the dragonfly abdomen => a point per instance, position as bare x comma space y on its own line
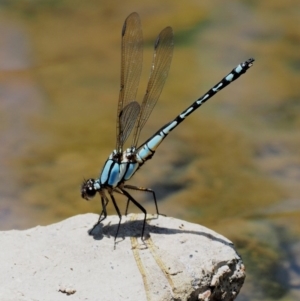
147, 150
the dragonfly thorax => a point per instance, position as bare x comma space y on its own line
115, 155
129, 155
118, 168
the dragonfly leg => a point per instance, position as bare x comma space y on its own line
118, 211
142, 189
130, 198
127, 205
104, 202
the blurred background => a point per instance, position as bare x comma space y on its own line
233, 166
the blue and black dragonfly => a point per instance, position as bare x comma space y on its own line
122, 163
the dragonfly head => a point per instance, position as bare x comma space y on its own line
89, 188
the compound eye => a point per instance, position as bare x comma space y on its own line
90, 192
87, 189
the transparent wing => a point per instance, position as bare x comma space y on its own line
131, 68
127, 119
162, 57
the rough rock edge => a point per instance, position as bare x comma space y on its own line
221, 283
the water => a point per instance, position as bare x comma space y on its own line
233, 166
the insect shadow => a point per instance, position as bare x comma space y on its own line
132, 228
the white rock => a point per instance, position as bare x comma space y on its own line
180, 261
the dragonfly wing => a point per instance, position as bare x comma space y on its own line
162, 57
131, 68
128, 117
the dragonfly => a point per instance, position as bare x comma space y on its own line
123, 163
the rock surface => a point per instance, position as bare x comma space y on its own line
179, 261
